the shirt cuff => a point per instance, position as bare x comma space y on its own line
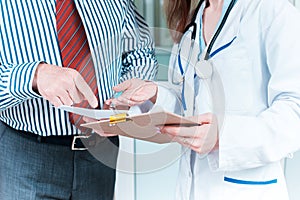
20, 82
166, 100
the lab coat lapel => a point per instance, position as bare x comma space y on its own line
229, 31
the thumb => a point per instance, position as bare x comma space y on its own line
122, 86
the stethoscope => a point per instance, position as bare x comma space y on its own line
192, 28
204, 67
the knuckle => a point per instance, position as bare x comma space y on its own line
198, 150
55, 103
197, 145
69, 102
49, 92
62, 83
76, 75
72, 72
76, 101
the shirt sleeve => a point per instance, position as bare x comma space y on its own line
274, 133
169, 96
139, 54
16, 83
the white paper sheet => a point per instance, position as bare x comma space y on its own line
93, 113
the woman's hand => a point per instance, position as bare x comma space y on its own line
135, 91
202, 139
98, 131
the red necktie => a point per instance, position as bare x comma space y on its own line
74, 47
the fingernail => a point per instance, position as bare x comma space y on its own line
96, 104
158, 130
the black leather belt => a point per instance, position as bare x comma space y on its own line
76, 142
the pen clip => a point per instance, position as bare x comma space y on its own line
114, 119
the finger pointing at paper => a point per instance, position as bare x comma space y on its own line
67, 86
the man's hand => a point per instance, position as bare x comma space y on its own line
62, 86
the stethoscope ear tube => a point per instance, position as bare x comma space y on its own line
193, 21
194, 32
194, 25
204, 66
213, 40
193, 36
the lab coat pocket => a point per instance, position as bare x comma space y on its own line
256, 176
249, 182
237, 81
258, 183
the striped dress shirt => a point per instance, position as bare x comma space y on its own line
120, 44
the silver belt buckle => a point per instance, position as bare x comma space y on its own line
74, 142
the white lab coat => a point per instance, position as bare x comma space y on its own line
260, 74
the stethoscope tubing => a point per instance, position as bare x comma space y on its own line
213, 40
193, 37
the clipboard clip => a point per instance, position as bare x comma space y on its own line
118, 118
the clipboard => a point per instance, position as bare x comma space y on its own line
142, 126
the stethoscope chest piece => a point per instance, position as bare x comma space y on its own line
204, 69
